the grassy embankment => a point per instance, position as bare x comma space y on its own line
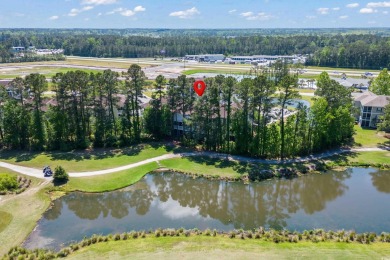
19, 213
226, 248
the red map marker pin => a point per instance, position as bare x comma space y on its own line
199, 87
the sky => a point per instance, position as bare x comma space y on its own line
193, 14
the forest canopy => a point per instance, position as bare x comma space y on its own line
342, 48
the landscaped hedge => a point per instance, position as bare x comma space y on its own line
271, 235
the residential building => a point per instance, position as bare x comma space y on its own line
361, 84
370, 107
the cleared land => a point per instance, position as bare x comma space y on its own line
202, 247
48, 71
187, 68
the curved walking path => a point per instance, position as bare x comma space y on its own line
38, 172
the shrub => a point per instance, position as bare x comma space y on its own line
8, 182
60, 175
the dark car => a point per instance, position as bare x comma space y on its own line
47, 172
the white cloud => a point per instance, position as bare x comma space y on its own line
139, 8
353, 5
260, 17
75, 11
323, 10
385, 12
127, 12
99, 14
336, 8
189, 13
54, 17
343, 17
372, 22
98, 2
86, 8
367, 11
232, 11
247, 14
311, 16
378, 4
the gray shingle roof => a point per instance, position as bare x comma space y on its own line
369, 99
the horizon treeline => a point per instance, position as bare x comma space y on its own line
362, 51
231, 117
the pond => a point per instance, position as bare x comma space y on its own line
356, 199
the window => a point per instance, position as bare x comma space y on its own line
367, 109
366, 116
379, 109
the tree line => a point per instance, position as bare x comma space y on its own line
99, 110
370, 51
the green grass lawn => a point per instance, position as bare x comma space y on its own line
305, 90
369, 137
79, 161
339, 69
204, 247
219, 71
363, 158
207, 166
109, 182
49, 72
308, 98
19, 213
5, 219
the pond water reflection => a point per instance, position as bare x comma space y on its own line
354, 199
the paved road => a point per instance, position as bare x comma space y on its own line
38, 172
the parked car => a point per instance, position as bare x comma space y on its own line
47, 172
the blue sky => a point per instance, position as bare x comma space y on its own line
193, 13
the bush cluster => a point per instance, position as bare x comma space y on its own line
60, 175
12, 183
271, 235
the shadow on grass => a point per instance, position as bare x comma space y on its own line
384, 145
342, 158
240, 167
97, 153
18, 155
59, 182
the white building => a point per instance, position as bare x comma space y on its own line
205, 57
